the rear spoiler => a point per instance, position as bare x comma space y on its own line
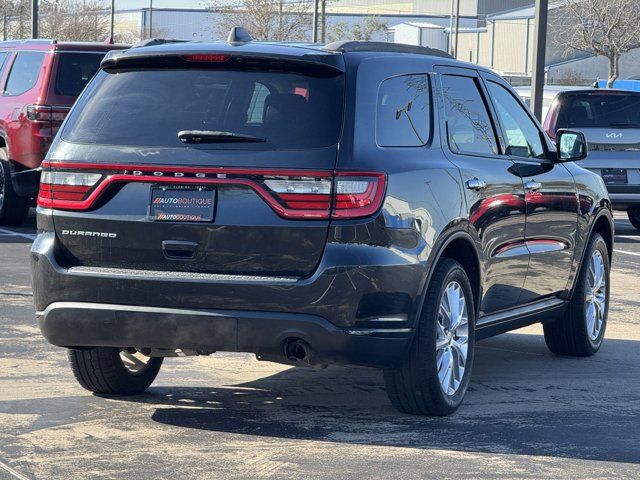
141, 57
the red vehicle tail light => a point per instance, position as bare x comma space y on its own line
58, 189
303, 193
47, 114
358, 194
293, 194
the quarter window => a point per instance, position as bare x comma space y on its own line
469, 128
24, 73
524, 140
403, 115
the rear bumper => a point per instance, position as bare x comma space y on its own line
357, 308
69, 324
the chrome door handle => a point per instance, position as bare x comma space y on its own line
476, 184
532, 186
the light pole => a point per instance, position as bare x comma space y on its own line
34, 18
455, 46
453, 10
539, 43
150, 18
113, 19
314, 30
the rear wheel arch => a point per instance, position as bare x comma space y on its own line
458, 246
604, 226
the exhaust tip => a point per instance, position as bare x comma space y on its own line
298, 350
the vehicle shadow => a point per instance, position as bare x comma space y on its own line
523, 400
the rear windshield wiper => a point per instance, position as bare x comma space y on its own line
215, 136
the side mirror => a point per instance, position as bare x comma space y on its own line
571, 145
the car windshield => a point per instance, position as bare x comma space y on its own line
600, 110
150, 107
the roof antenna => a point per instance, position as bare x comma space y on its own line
239, 35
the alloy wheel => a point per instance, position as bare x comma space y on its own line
452, 338
134, 361
596, 295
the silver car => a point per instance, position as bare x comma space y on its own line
610, 120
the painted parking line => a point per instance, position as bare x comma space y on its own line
627, 253
12, 472
5, 232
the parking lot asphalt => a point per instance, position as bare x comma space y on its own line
528, 414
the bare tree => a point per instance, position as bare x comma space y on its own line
16, 19
59, 19
287, 20
69, 20
364, 30
607, 28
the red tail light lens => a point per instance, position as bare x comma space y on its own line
47, 114
312, 195
65, 189
291, 194
358, 195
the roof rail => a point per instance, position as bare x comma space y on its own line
46, 41
356, 46
152, 42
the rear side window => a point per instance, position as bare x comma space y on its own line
469, 127
24, 73
74, 72
148, 107
403, 115
599, 110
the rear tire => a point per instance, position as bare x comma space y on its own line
580, 331
13, 209
634, 216
418, 384
102, 370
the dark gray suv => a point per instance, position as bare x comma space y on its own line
356, 203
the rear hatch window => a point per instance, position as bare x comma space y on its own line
250, 109
74, 72
610, 120
249, 154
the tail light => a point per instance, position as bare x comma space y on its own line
51, 115
45, 121
65, 189
358, 195
291, 194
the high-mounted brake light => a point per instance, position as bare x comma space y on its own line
292, 194
206, 57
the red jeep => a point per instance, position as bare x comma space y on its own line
40, 80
